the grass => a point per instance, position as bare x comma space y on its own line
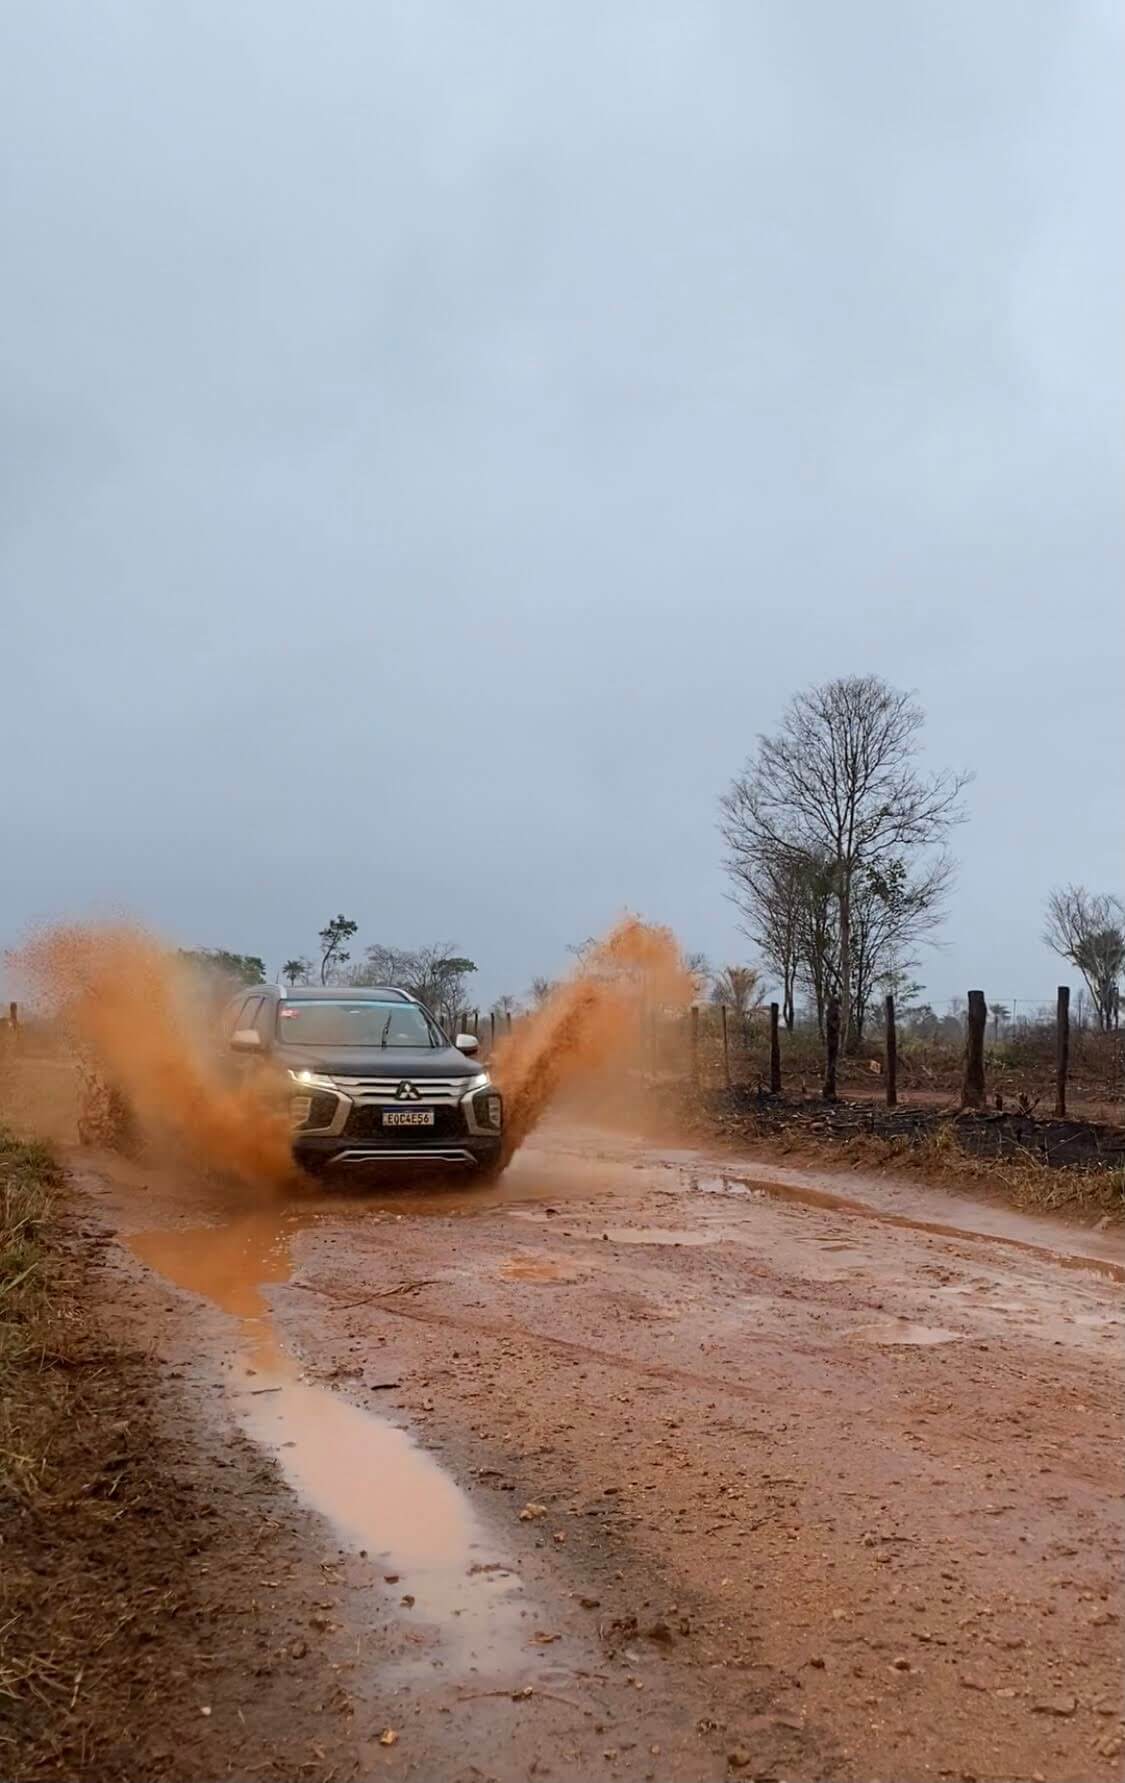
29, 1180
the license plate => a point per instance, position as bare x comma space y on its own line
408, 1117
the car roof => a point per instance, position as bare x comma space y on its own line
346, 993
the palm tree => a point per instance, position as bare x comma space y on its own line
740, 988
296, 972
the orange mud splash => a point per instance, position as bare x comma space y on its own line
594, 1020
132, 1007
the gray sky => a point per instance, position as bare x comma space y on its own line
437, 437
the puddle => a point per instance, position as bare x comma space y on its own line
896, 1331
655, 1235
535, 1269
669, 1235
383, 1495
980, 1221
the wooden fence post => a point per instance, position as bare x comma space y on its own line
508, 1021
972, 1085
695, 1043
892, 1055
1062, 1049
775, 1050
492, 1030
831, 1048
726, 1046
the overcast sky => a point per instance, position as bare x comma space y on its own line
438, 436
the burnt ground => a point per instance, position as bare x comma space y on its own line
994, 1134
641, 1465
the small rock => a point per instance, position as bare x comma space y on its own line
531, 1512
968, 1682
817, 1662
739, 1758
388, 1737
407, 1601
205, 1711
590, 1603
1056, 1705
298, 1649
899, 1664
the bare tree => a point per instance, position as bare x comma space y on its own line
698, 969
1088, 929
436, 974
838, 780
768, 889
541, 988
894, 909
506, 1005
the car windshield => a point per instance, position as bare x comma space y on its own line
324, 1023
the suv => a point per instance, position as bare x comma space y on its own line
371, 1078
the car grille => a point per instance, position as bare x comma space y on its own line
433, 1092
366, 1122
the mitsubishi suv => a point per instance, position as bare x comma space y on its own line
370, 1077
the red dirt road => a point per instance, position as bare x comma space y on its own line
639, 1466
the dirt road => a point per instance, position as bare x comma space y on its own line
642, 1466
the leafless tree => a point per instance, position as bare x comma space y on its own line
436, 974
1088, 929
698, 968
894, 909
839, 781
541, 988
767, 888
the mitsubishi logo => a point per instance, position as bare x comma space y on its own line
408, 1092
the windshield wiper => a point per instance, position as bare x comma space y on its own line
386, 1031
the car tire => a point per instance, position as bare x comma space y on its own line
313, 1166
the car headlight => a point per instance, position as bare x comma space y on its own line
312, 1080
480, 1082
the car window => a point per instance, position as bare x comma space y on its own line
248, 1014
231, 1017
263, 1018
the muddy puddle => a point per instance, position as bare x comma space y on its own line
596, 1232
901, 1331
973, 1220
385, 1497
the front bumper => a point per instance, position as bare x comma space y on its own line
342, 1121
323, 1151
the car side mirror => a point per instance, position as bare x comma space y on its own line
246, 1040
467, 1043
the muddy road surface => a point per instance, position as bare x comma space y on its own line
642, 1465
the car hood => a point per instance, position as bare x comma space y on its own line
413, 1062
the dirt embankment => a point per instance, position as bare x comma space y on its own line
1050, 1162
164, 1612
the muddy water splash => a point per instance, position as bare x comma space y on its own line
596, 1017
132, 1007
